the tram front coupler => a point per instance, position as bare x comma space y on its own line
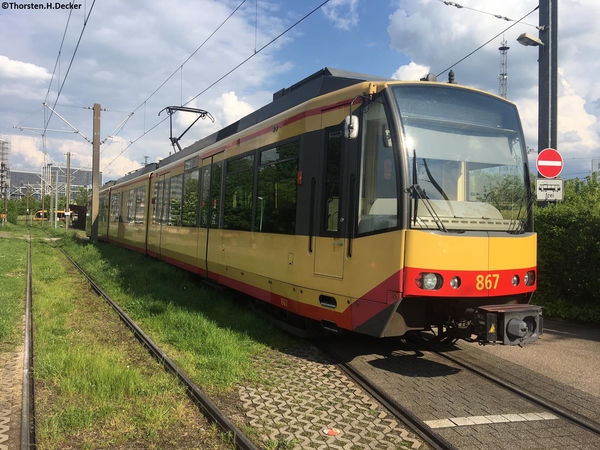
512, 324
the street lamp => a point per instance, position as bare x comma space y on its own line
527, 39
547, 75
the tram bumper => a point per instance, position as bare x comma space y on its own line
508, 324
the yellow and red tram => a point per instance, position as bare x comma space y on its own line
352, 202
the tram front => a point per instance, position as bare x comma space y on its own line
470, 249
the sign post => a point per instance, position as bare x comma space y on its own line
549, 163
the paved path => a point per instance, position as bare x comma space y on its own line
568, 353
11, 382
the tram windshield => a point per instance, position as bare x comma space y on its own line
466, 159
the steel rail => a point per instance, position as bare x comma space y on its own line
212, 412
28, 438
420, 428
561, 411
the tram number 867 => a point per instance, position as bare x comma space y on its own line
490, 281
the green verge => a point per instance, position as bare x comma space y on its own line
13, 279
96, 387
210, 334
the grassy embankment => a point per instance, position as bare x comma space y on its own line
93, 387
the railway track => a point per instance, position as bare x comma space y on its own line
209, 409
549, 405
391, 379
433, 439
28, 436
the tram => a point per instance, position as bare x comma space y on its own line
352, 202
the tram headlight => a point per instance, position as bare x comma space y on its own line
429, 281
529, 278
516, 280
455, 282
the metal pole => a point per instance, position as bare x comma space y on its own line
56, 200
95, 173
27, 200
51, 197
43, 200
548, 80
68, 194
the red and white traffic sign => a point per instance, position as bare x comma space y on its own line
549, 163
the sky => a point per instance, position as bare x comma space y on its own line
228, 57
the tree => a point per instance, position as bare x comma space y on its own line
81, 198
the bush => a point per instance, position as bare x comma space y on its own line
569, 252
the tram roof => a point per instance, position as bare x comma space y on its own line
319, 83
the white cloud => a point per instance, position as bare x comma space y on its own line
22, 70
232, 108
410, 71
124, 57
28, 150
433, 34
343, 13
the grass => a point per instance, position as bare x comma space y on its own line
95, 386
13, 277
208, 333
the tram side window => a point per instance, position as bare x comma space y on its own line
175, 200
378, 208
239, 186
204, 204
161, 207
277, 189
332, 182
158, 189
140, 205
115, 208
103, 210
130, 205
215, 194
190, 199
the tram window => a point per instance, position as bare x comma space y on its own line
103, 213
190, 199
205, 196
332, 181
215, 194
162, 201
378, 186
277, 189
130, 205
238, 194
158, 191
140, 205
175, 198
115, 210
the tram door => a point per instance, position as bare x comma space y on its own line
329, 245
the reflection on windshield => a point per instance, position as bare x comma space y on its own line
467, 156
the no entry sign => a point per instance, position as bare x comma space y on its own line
549, 163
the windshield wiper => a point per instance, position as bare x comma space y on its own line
520, 223
417, 193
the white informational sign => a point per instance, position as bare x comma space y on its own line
549, 190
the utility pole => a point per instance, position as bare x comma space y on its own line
68, 194
4, 191
95, 173
43, 199
548, 60
51, 197
27, 200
